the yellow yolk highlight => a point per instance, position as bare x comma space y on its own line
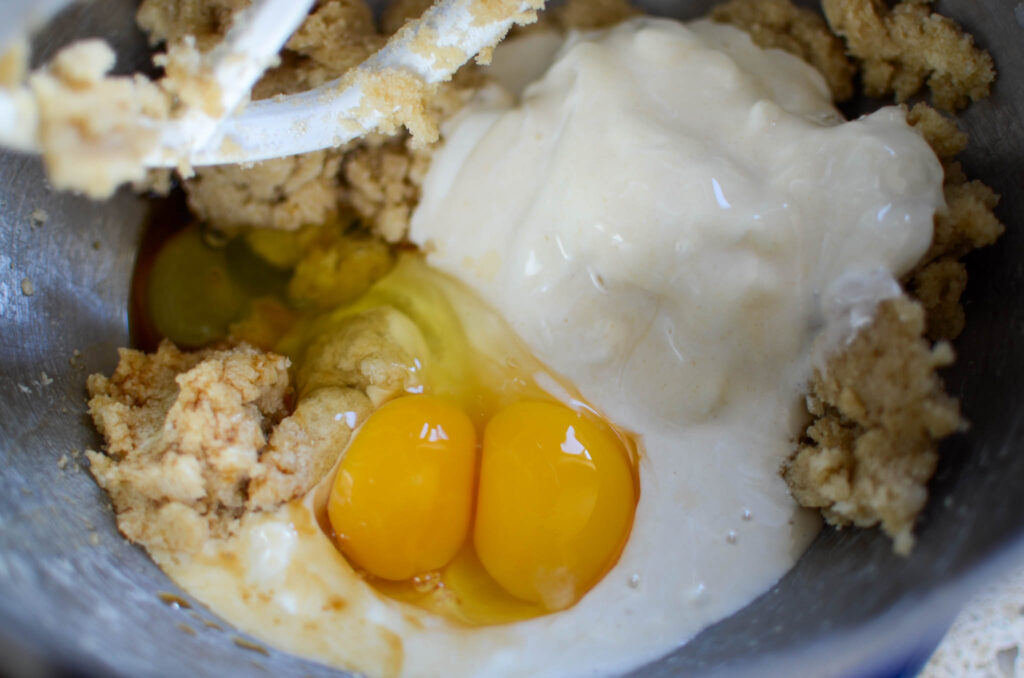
555, 502
402, 499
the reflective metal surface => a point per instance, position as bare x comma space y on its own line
74, 603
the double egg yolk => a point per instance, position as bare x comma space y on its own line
543, 500
482, 500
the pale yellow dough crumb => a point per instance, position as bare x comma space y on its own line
382, 184
189, 79
361, 354
305, 445
88, 123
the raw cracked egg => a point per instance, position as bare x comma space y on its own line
512, 511
551, 511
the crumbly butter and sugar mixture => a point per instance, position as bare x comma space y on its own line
289, 192
194, 440
281, 193
183, 431
904, 47
205, 20
337, 35
898, 50
879, 409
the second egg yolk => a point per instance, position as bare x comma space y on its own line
555, 502
402, 500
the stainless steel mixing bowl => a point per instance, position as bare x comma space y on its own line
76, 599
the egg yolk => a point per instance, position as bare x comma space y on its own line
555, 502
402, 500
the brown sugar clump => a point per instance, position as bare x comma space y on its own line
802, 32
903, 48
880, 407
